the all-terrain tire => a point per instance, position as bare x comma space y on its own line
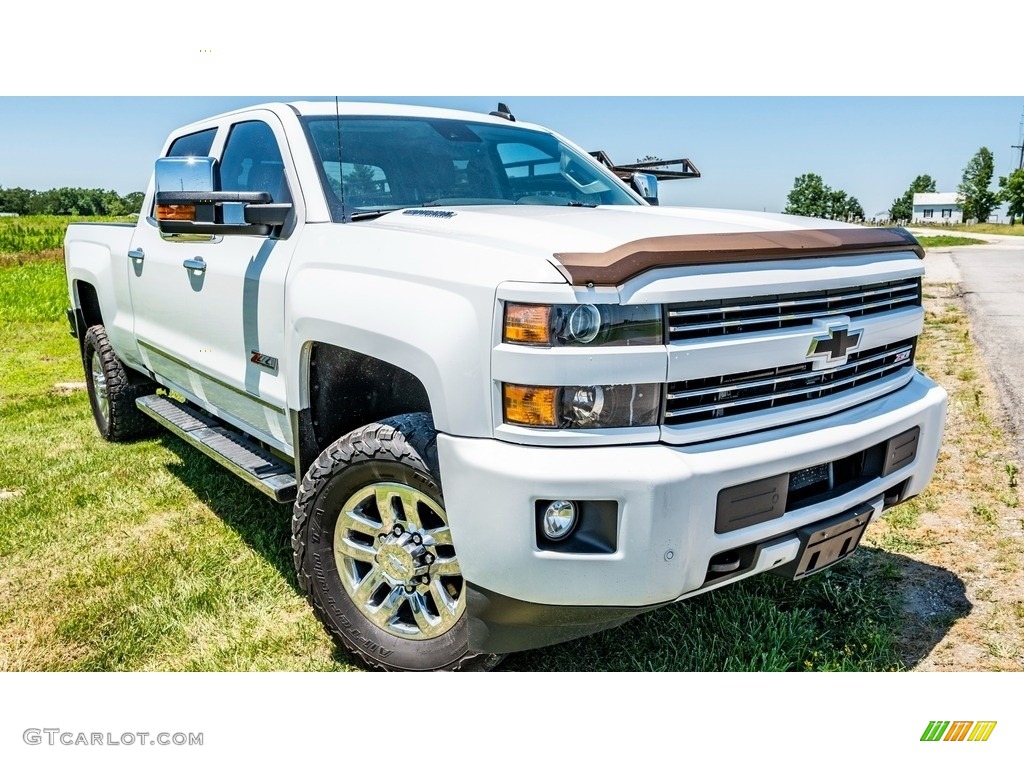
373, 551
113, 390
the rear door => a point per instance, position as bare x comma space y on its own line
209, 311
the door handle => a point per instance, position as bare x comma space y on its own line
196, 264
136, 254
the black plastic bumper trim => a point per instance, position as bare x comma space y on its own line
501, 624
901, 451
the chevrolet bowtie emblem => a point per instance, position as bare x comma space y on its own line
836, 344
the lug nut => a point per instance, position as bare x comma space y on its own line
428, 558
417, 539
382, 537
409, 588
424, 579
398, 530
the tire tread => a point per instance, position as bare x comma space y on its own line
127, 422
410, 439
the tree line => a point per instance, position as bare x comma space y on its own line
810, 195
69, 201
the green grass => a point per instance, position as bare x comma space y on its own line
842, 619
941, 241
33, 293
148, 556
980, 229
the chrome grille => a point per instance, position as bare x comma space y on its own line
702, 400
704, 319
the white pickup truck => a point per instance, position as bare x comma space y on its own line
512, 401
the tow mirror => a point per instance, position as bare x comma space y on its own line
187, 202
185, 174
645, 185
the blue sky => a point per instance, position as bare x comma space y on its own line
749, 149
754, 94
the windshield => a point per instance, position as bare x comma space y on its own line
385, 163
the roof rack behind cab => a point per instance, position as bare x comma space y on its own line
662, 169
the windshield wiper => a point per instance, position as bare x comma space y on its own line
578, 204
364, 215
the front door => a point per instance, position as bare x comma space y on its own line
209, 311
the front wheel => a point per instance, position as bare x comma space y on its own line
374, 552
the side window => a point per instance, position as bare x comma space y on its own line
193, 145
252, 162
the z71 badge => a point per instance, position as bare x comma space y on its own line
265, 360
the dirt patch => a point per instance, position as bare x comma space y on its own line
17, 259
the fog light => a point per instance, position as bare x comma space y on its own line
558, 519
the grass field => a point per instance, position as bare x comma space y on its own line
31, 238
978, 229
148, 556
940, 241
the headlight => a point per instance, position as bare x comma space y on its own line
584, 407
597, 325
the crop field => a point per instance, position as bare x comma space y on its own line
148, 556
31, 238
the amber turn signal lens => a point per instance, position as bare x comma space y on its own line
527, 323
176, 212
529, 406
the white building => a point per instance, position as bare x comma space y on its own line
936, 208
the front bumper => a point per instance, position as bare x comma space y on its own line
665, 498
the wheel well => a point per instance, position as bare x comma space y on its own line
348, 390
88, 314
88, 304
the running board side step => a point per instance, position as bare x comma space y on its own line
245, 458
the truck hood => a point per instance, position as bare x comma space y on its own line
609, 245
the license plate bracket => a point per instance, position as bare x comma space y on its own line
825, 543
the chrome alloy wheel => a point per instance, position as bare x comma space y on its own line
99, 386
394, 554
